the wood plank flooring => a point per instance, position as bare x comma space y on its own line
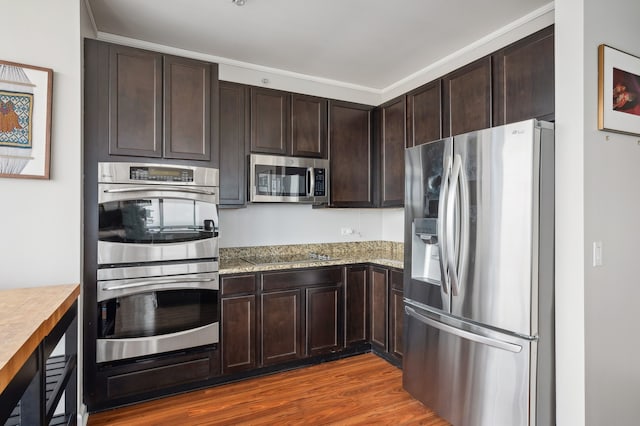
359, 390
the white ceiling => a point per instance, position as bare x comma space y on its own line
368, 43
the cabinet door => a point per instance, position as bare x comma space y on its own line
467, 98
396, 314
322, 320
234, 143
280, 329
378, 312
524, 79
135, 102
424, 114
187, 109
269, 121
393, 126
356, 305
238, 324
351, 162
308, 126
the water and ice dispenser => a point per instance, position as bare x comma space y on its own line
425, 259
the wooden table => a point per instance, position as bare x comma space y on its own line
32, 321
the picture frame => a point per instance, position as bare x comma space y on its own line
618, 91
25, 120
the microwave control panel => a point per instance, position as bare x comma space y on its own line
320, 186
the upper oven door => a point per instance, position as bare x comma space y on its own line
147, 223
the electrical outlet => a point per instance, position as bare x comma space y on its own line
346, 231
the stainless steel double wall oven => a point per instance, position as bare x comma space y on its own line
157, 277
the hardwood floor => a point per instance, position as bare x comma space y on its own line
359, 390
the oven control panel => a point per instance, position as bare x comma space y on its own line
160, 174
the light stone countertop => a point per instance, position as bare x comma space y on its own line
384, 253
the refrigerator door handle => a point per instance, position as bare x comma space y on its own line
451, 225
442, 240
500, 344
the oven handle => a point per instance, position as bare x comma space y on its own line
160, 189
156, 282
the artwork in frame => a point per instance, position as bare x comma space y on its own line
25, 120
618, 91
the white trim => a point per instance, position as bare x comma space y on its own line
466, 55
114, 38
91, 17
549, 7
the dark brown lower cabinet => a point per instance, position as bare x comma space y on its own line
396, 314
301, 313
378, 290
355, 289
238, 323
323, 319
280, 326
238, 333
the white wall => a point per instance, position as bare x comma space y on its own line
274, 224
570, 246
40, 219
611, 204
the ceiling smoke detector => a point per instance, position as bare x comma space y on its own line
239, 2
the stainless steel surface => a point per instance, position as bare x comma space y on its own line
496, 244
116, 349
501, 171
124, 287
282, 161
109, 172
124, 192
146, 189
468, 382
157, 270
114, 253
427, 169
462, 333
120, 188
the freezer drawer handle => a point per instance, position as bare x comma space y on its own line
511, 347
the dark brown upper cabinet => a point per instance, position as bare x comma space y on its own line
234, 143
350, 128
308, 126
467, 98
391, 118
187, 109
524, 79
288, 123
424, 114
153, 106
269, 121
135, 102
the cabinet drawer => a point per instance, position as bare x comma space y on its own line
180, 370
297, 279
240, 284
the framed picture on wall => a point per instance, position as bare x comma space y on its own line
618, 91
25, 120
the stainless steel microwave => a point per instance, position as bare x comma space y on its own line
279, 179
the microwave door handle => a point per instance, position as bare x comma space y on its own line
160, 189
311, 179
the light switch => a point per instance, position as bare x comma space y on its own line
597, 253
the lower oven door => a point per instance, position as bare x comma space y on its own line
151, 315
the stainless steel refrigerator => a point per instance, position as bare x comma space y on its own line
478, 277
